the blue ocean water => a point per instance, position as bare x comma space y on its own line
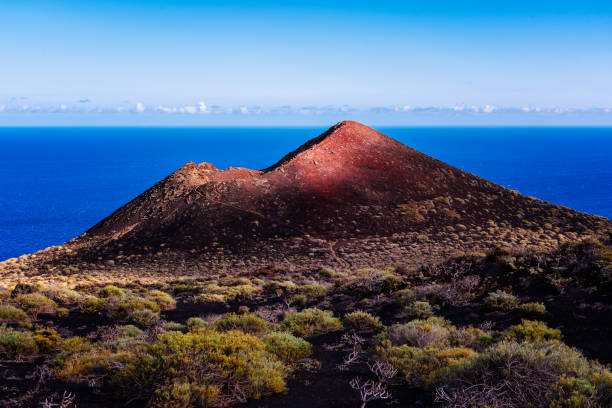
57, 182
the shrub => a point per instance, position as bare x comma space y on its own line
286, 346
62, 295
362, 322
143, 317
471, 337
310, 322
163, 300
299, 299
62, 312
47, 340
425, 366
313, 290
203, 369
92, 304
110, 291
530, 330
248, 323
387, 284
542, 374
130, 331
10, 313
417, 333
533, 308
174, 326
16, 345
195, 323
419, 310
35, 303
500, 300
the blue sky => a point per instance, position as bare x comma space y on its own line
153, 62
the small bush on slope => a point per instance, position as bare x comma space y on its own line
310, 322
247, 322
204, 369
286, 346
500, 300
541, 375
362, 322
10, 314
16, 345
532, 331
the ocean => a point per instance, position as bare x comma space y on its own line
57, 182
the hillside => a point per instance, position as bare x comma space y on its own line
351, 197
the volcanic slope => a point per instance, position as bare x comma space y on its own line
351, 197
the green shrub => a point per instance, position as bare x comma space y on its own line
174, 326
35, 303
143, 317
417, 333
362, 322
299, 299
62, 312
10, 313
92, 304
313, 290
163, 300
471, 337
387, 284
425, 366
248, 323
16, 345
419, 310
533, 308
286, 346
500, 300
47, 340
110, 291
530, 330
310, 322
62, 295
195, 323
130, 331
203, 369
542, 374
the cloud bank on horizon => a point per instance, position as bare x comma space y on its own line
400, 62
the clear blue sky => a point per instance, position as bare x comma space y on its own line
154, 57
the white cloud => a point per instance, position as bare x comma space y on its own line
2, 108
140, 107
244, 110
165, 109
189, 109
63, 107
203, 108
489, 109
459, 108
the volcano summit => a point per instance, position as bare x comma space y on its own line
351, 197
